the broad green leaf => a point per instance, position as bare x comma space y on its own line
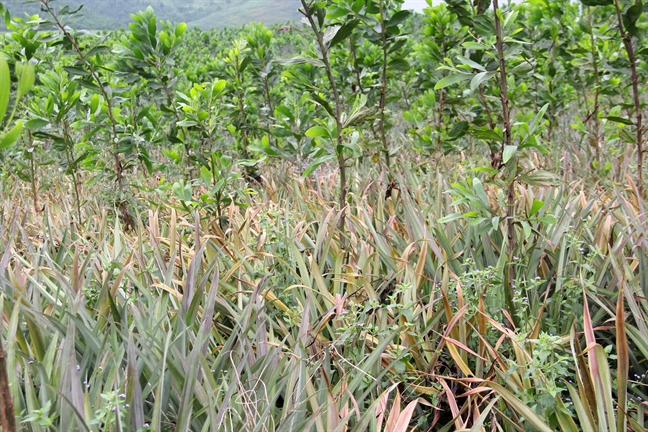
344, 32
486, 134
458, 130
219, 86
472, 64
597, 2
36, 123
481, 78
478, 187
484, 24
532, 143
549, 220
318, 131
400, 64
180, 29
510, 19
621, 120
509, 151
76, 71
630, 17
397, 45
535, 208
316, 163
526, 228
285, 112
538, 118
94, 104
245, 63
152, 29
320, 100
11, 136
398, 18
451, 79
336, 12
475, 46
173, 155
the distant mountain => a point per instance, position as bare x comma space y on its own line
112, 14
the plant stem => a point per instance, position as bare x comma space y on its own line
506, 116
338, 119
510, 198
627, 41
383, 86
597, 133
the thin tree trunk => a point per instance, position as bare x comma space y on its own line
627, 41
510, 198
338, 120
383, 87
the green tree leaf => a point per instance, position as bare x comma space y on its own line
459, 130
398, 18
180, 29
35, 124
509, 151
535, 208
486, 134
344, 32
318, 131
11, 136
452, 79
481, 78
472, 64
316, 163
621, 120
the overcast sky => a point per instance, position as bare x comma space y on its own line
417, 5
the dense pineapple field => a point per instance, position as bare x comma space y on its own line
367, 220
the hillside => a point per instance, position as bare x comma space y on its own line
112, 14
